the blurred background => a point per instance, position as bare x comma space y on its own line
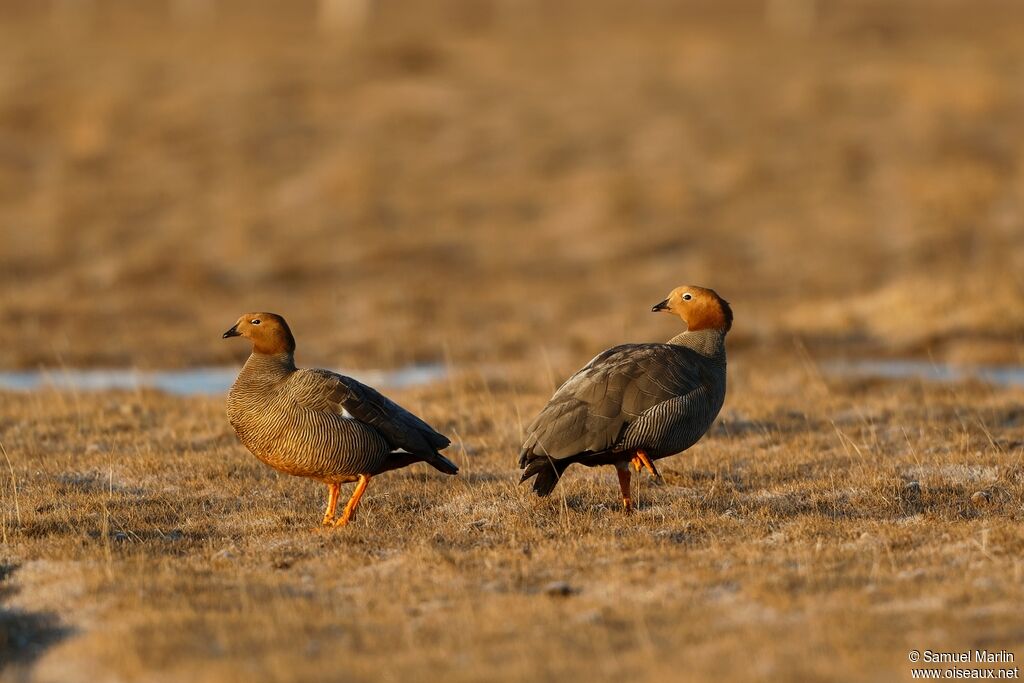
488, 180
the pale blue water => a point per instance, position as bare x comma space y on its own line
217, 380
212, 380
1002, 375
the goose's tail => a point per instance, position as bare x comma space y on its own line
441, 463
548, 471
399, 459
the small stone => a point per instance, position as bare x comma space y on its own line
588, 617
560, 589
986, 583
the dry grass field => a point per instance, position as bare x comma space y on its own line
820, 532
505, 187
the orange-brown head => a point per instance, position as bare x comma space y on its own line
268, 333
699, 307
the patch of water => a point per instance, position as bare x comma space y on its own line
1002, 375
190, 381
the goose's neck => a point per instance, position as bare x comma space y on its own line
270, 366
709, 343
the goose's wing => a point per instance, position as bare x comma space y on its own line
590, 411
328, 391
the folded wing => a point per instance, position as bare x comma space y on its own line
331, 392
590, 411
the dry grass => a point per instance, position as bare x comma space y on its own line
506, 187
814, 534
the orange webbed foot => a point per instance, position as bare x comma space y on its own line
349, 514
627, 500
641, 460
332, 503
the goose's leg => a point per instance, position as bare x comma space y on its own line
622, 469
640, 460
332, 502
350, 510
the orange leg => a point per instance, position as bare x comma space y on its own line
627, 500
640, 460
332, 502
350, 510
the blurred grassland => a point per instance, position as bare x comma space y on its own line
487, 180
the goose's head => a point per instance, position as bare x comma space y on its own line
268, 333
700, 308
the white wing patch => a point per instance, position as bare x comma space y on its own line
347, 415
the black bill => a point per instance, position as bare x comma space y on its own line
663, 306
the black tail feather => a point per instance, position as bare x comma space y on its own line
398, 459
441, 464
547, 470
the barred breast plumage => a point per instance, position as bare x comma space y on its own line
636, 402
319, 424
282, 417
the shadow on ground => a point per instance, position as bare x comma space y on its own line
24, 636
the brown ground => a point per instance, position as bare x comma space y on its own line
506, 187
820, 532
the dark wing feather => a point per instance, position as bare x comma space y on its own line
329, 391
590, 411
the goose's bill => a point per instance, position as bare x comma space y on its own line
233, 332
661, 306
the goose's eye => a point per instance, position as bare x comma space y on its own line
687, 296
254, 321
